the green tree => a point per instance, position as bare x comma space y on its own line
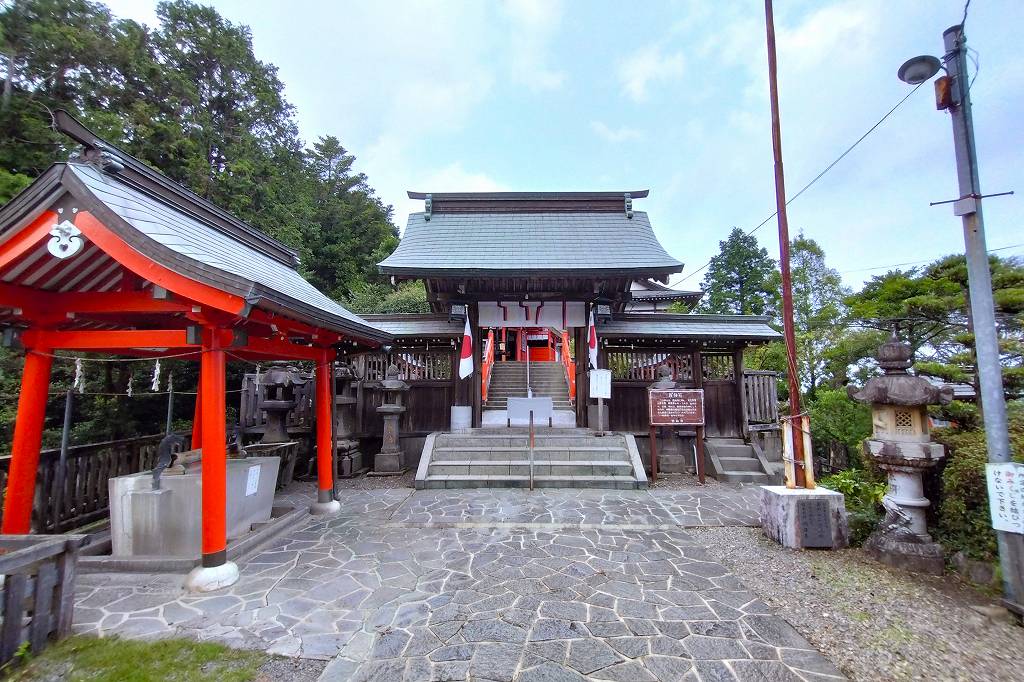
929, 307
739, 280
819, 311
409, 297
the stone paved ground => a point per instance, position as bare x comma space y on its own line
487, 585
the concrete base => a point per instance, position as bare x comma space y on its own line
779, 514
210, 578
916, 557
323, 508
387, 464
462, 418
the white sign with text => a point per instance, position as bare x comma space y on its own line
1006, 496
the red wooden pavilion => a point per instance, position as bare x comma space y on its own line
102, 254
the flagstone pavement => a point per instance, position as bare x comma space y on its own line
495, 585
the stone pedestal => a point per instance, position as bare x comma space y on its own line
349, 457
389, 460
784, 521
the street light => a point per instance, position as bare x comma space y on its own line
953, 93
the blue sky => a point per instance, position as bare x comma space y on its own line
670, 96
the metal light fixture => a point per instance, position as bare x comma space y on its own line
919, 69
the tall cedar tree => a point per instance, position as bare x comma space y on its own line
190, 98
739, 279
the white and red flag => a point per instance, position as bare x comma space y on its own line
592, 342
466, 356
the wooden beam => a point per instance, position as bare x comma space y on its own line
107, 340
27, 239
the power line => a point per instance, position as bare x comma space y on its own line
917, 262
819, 176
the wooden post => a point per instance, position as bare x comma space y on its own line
476, 385
324, 427
28, 438
737, 369
699, 454
214, 473
653, 435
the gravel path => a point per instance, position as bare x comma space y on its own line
873, 622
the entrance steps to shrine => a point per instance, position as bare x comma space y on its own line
499, 458
508, 380
736, 461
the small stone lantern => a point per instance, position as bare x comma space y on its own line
277, 399
389, 460
350, 459
900, 444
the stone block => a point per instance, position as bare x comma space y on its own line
780, 521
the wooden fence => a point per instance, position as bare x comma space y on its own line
84, 496
760, 395
38, 594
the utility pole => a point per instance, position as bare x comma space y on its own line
787, 282
986, 341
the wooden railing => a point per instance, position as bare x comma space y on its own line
84, 496
38, 575
412, 365
569, 366
761, 396
488, 365
642, 365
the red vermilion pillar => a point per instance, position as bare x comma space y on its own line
197, 417
216, 571
28, 438
325, 502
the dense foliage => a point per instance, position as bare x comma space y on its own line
863, 493
190, 98
741, 279
964, 519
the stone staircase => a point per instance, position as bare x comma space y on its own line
499, 458
736, 461
508, 380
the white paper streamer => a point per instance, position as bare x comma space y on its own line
155, 386
131, 378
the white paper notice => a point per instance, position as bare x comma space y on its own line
252, 483
601, 383
1006, 496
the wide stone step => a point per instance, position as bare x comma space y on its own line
556, 452
741, 464
520, 437
733, 450
744, 477
521, 467
541, 481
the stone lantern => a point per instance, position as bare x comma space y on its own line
277, 399
389, 460
350, 459
901, 446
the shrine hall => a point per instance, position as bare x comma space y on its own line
104, 255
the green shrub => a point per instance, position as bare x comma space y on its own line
965, 523
863, 493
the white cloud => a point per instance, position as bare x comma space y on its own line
615, 134
533, 24
647, 65
451, 178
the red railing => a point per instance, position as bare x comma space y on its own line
569, 366
488, 365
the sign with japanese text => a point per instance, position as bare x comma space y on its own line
676, 406
601, 383
1006, 496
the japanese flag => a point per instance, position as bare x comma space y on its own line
466, 356
592, 342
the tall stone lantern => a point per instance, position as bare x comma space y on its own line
350, 458
901, 446
389, 460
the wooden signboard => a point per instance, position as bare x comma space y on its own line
676, 406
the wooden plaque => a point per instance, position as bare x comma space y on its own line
676, 406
